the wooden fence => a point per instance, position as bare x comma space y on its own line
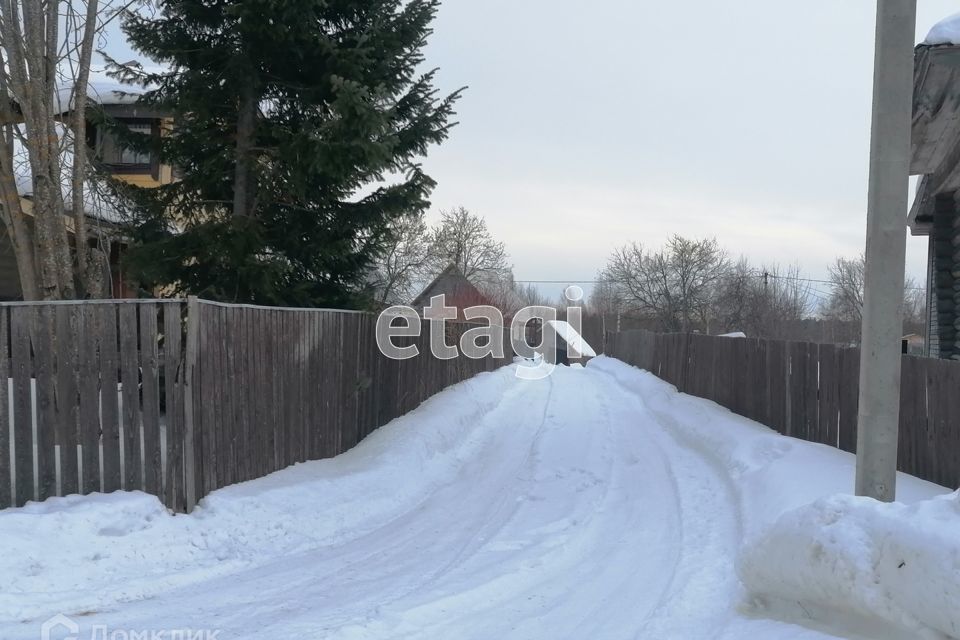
180, 398
808, 390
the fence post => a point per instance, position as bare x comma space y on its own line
190, 360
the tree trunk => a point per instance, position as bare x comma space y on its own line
21, 239
18, 231
88, 283
243, 185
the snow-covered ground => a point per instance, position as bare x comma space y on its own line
597, 503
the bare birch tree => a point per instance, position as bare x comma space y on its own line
762, 302
676, 285
846, 293
402, 266
462, 239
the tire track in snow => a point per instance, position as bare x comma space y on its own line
574, 512
594, 570
707, 545
400, 557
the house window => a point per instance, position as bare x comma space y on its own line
121, 159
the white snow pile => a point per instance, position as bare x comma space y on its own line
895, 562
85, 553
947, 31
808, 544
101, 89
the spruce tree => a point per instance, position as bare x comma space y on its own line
297, 127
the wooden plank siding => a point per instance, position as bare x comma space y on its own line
808, 391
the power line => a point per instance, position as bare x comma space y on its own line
560, 281
757, 274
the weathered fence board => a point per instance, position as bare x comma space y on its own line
6, 468
150, 392
849, 399
809, 391
174, 405
89, 336
41, 339
109, 407
829, 400
68, 407
130, 397
22, 403
777, 376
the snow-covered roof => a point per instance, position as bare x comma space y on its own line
101, 89
572, 337
947, 31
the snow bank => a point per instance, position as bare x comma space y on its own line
896, 562
86, 553
899, 563
770, 473
947, 31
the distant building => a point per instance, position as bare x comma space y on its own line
457, 290
912, 344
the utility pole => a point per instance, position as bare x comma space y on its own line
879, 409
766, 306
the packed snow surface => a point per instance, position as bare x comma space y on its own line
947, 31
597, 503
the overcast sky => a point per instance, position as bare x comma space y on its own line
590, 124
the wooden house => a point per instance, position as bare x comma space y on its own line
935, 156
117, 102
457, 290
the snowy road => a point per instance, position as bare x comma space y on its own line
572, 507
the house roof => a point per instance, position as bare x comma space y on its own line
456, 287
101, 89
935, 135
